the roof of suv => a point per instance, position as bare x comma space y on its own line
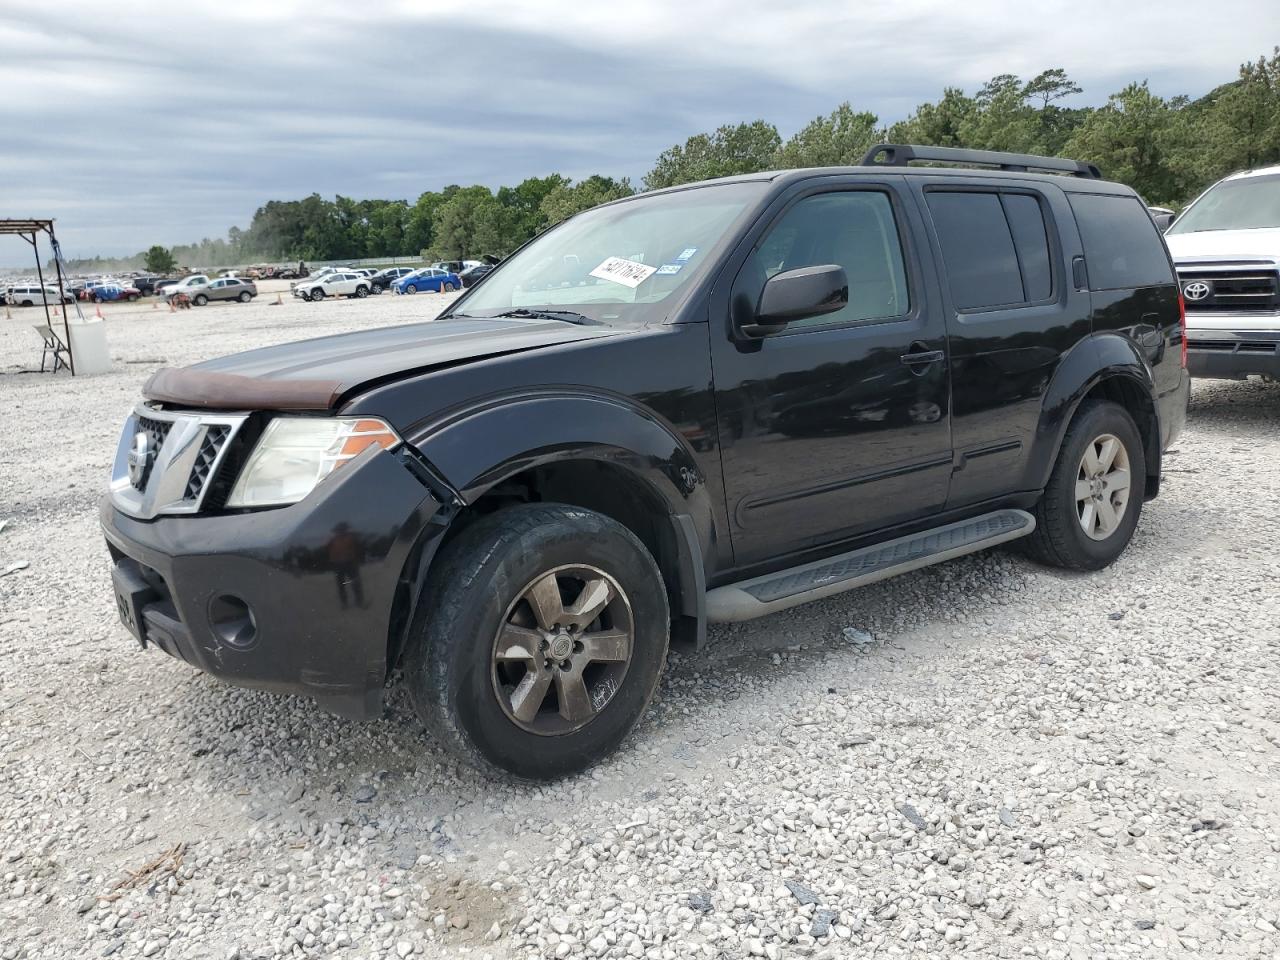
1260, 172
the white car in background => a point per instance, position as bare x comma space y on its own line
28, 295
338, 284
1226, 248
187, 285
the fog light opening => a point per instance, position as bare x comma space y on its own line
232, 621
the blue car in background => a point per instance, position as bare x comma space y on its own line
428, 279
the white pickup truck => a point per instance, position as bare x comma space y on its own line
1226, 248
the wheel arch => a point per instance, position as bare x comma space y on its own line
596, 452
1105, 366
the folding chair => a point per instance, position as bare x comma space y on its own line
52, 344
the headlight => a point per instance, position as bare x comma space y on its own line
296, 453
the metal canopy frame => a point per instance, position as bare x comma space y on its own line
30, 230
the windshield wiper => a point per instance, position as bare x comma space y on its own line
568, 316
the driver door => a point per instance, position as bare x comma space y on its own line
839, 425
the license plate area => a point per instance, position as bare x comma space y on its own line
133, 593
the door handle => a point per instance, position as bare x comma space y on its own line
918, 357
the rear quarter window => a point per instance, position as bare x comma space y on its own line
1122, 248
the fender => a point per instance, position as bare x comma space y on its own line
1092, 360
533, 429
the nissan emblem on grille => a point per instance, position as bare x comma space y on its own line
1196, 290
140, 456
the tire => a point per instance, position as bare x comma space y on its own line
448, 288
411, 288
97, 299
1060, 538
132, 298
362, 292
200, 300
480, 582
245, 297
377, 289
317, 293
30, 303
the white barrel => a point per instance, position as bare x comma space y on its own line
89, 346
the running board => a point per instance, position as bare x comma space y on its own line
796, 585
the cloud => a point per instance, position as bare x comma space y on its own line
168, 125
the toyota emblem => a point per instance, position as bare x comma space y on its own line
1196, 290
139, 458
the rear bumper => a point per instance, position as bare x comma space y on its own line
1234, 354
322, 579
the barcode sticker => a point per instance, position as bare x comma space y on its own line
629, 273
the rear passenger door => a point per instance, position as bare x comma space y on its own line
1004, 253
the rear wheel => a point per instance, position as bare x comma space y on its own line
362, 292
544, 642
1092, 502
448, 287
245, 296
133, 298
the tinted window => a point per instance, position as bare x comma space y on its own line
855, 230
1026, 222
977, 248
1122, 247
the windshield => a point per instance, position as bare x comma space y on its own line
621, 263
1250, 203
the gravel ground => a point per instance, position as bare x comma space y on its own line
986, 757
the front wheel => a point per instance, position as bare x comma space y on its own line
544, 641
1092, 502
133, 298
377, 289
200, 300
317, 293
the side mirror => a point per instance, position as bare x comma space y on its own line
797, 294
1163, 220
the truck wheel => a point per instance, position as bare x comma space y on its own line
1092, 502
543, 642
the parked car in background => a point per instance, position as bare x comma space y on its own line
338, 284
114, 290
1226, 248
187, 285
318, 273
385, 278
431, 279
473, 275
225, 288
28, 295
146, 285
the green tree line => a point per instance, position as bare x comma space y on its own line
1168, 149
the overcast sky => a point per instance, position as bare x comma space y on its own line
135, 124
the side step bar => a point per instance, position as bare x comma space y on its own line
772, 592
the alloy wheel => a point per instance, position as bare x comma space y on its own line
563, 650
1102, 486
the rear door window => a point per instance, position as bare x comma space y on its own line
995, 247
1122, 248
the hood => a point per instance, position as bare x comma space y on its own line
316, 374
1260, 244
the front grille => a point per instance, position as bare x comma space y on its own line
156, 431
1238, 289
214, 437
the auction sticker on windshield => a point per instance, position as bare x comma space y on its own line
629, 273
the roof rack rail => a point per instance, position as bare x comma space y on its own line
901, 154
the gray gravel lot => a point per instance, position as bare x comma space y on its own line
985, 758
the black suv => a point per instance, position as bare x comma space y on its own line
696, 405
